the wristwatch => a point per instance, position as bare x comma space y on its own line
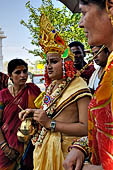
53, 125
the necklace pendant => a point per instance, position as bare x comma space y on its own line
47, 99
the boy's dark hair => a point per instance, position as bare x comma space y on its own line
76, 44
14, 63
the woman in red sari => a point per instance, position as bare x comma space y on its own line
23, 94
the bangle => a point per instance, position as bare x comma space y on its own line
2, 142
7, 154
78, 147
81, 144
3, 146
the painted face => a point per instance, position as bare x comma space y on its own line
78, 54
96, 25
19, 75
54, 66
101, 59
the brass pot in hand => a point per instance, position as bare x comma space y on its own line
21, 137
26, 130
26, 126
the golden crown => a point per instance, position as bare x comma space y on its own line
51, 41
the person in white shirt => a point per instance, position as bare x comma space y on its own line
100, 60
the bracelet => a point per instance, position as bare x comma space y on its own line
3, 146
81, 144
78, 147
7, 154
2, 143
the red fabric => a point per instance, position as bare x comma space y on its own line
86, 74
101, 133
101, 120
11, 121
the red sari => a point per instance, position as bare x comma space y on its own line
101, 120
11, 121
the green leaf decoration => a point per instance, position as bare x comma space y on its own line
74, 15
65, 54
45, 56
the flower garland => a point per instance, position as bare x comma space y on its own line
47, 79
47, 103
69, 69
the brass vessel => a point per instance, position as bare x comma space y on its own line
26, 130
21, 137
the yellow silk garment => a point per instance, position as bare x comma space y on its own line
77, 89
52, 152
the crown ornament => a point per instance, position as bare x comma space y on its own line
51, 41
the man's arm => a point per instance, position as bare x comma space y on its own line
74, 160
78, 152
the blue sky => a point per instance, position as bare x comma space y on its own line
18, 36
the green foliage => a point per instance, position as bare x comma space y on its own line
62, 19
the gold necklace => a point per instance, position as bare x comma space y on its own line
14, 93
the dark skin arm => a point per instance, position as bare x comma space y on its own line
74, 160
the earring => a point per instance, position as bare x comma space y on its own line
111, 17
109, 13
63, 68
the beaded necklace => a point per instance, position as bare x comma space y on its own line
49, 104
